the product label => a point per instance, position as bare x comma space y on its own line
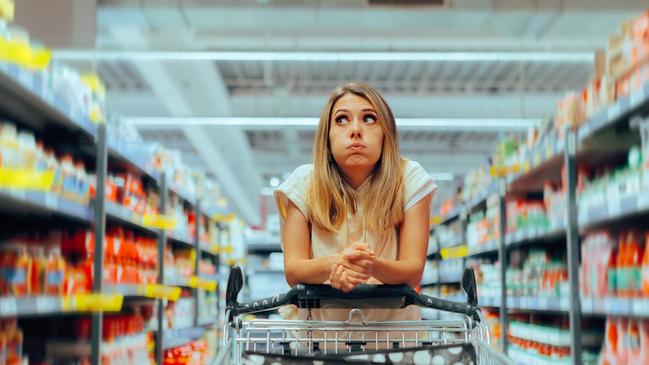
54, 278
637, 97
8, 307
47, 305
15, 276
612, 280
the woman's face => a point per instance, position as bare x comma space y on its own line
355, 134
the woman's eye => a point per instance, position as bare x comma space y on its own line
370, 119
341, 119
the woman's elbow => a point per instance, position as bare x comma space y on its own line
291, 277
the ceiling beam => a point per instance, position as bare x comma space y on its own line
177, 104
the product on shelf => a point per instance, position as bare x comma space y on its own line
448, 235
487, 277
537, 273
129, 258
493, 321
483, 228
180, 314
179, 264
627, 342
194, 353
615, 265
526, 215
20, 150
128, 191
431, 272
627, 55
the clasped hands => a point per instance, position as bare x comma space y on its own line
352, 267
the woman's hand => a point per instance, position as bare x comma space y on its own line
352, 267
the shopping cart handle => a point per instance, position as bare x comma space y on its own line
363, 296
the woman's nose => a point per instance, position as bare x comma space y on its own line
355, 130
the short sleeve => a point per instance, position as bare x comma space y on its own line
418, 184
294, 189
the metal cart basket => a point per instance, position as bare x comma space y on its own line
465, 340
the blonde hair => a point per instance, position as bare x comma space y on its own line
329, 196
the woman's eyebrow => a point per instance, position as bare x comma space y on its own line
368, 110
341, 110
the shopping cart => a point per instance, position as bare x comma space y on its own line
461, 340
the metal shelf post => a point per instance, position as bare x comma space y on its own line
100, 234
162, 243
572, 231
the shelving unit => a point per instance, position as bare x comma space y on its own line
26, 99
546, 163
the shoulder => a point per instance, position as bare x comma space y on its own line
294, 188
412, 168
417, 183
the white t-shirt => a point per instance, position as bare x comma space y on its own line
418, 184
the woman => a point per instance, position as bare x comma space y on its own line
360, 213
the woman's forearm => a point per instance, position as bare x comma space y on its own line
407, 272
308, 271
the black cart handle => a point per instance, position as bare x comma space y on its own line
363, 296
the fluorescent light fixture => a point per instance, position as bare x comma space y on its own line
274, 182
497, 124
497, 56
442, 176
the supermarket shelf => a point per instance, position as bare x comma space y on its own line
51, 305
456, 298
429, 314
543, 164
614, 210
123, 215
265, 271
265, 247
451, 216
45, 203
153, 291
626, 307
538, 235
184, 241
182, 194
207, 322
484, 249
482, 197
120, 150
178, 337
489, 301
456, 241
550, 304
205, 248
26, 95
618, 112
450, 279
429, 282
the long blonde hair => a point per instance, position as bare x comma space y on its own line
329, 196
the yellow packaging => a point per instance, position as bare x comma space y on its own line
7, 9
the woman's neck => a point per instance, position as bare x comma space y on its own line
356, 178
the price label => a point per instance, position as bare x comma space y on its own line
26, 79
162, 292
564, 303
26, 179
641, 307
159, 221
48, 305
614, 208
637, 97
543, 302
51, 201
200, 283
614, 111
8, 307
98, 302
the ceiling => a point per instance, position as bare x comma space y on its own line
244, 158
